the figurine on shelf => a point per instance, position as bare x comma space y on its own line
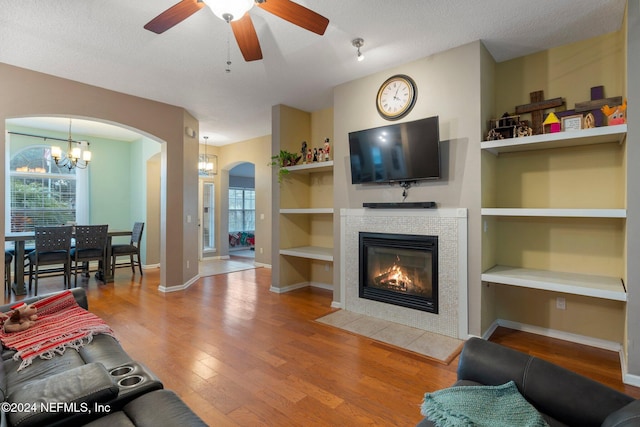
309, 155
616, 115
326, 150
315, 154
589, 121
303, 151
522, 129
553, 122
494, 135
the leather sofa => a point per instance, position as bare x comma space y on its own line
98, 384
562, 397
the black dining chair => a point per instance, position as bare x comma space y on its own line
53, 247
90, 245
132, 249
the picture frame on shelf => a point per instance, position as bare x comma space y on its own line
572, 123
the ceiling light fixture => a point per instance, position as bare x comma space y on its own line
230, 10
205, 166
75, 157
358, 43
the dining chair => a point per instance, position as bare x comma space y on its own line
8, 258
90, 245
53, 247
132, 249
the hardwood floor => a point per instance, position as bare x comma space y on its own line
240, 355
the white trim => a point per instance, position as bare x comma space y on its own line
631, 379
167, 289
336, 304
463, 275
289, 288
561, 335
150, 266
490, 330
259, 264
326, 286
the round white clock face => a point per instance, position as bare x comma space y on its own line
396, 97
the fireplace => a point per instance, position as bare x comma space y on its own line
399, 269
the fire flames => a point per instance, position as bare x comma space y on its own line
394, 278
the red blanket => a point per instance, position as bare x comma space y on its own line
61, 324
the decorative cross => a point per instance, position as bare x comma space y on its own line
537, 107
597, 101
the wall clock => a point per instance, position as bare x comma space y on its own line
396, 97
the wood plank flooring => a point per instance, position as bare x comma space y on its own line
240, 355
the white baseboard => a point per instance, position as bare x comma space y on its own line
319, 285
631, 379
566, 336
289, 288
259, 264
177, 288
336, 304
150, 266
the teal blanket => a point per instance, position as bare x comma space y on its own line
482, 406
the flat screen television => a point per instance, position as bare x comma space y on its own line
400, 152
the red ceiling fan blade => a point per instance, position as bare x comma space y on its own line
247, 39
174, 15
296, 14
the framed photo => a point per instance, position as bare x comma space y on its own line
570, 123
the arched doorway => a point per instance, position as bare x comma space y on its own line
111, 190
241, 212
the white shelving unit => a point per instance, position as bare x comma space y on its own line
312, 167
611, 288
562, 213
591, 136
307, 211
310, 252
579, 284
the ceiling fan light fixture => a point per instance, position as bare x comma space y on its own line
230, 10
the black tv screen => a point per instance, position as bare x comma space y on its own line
400, 152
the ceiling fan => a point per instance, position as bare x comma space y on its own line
236, 13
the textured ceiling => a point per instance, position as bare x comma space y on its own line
103, 43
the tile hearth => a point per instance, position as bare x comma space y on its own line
429, 344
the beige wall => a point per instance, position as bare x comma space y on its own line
152, 227
448, 86
26, 93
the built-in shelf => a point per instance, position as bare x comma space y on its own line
567, 213
312, 167
603, 287
590, 136
307, 211
310, 252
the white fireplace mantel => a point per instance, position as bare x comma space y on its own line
450, 225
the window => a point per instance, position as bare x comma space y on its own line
41, 192
242, 209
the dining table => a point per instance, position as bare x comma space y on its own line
20, 239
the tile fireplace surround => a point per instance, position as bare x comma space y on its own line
450, 225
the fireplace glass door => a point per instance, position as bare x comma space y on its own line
400, 269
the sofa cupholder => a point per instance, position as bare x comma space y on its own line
130, 381
120, 371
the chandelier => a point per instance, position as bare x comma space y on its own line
205, 165
75, 156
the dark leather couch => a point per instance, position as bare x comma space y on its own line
98, 384
564, 398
